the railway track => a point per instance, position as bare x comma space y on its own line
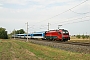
67, 42
77, 43
68, 46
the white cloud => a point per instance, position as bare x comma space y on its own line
1, 7
40, 2
20, 2
1, 4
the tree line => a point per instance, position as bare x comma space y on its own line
4, 35
21, 31
83, 36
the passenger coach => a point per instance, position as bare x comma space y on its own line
38, 35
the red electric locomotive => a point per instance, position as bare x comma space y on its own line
61, 34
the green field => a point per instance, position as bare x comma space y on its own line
20, 50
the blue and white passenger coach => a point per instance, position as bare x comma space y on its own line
39, 35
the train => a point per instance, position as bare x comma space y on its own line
56, 35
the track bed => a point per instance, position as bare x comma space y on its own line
69, 46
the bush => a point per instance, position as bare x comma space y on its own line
83, 36
87, 36
78, 36
3, 33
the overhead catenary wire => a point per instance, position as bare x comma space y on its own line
72, 19
79, 12
72, 22
69, 9
64, 11
76, 22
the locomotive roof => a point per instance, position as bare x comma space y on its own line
56, 30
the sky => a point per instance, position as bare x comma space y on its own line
73, 15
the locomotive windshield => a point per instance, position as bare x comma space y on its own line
65, 32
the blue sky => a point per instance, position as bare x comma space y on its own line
38, 13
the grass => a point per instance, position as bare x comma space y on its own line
20, 50
74, 39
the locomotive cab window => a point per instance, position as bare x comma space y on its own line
59, 32
65, 31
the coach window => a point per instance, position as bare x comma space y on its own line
37, 35
29, 35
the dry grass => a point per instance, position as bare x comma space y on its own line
74, 39
19, 50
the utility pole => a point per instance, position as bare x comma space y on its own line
48, 26
27, 31
14, 33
